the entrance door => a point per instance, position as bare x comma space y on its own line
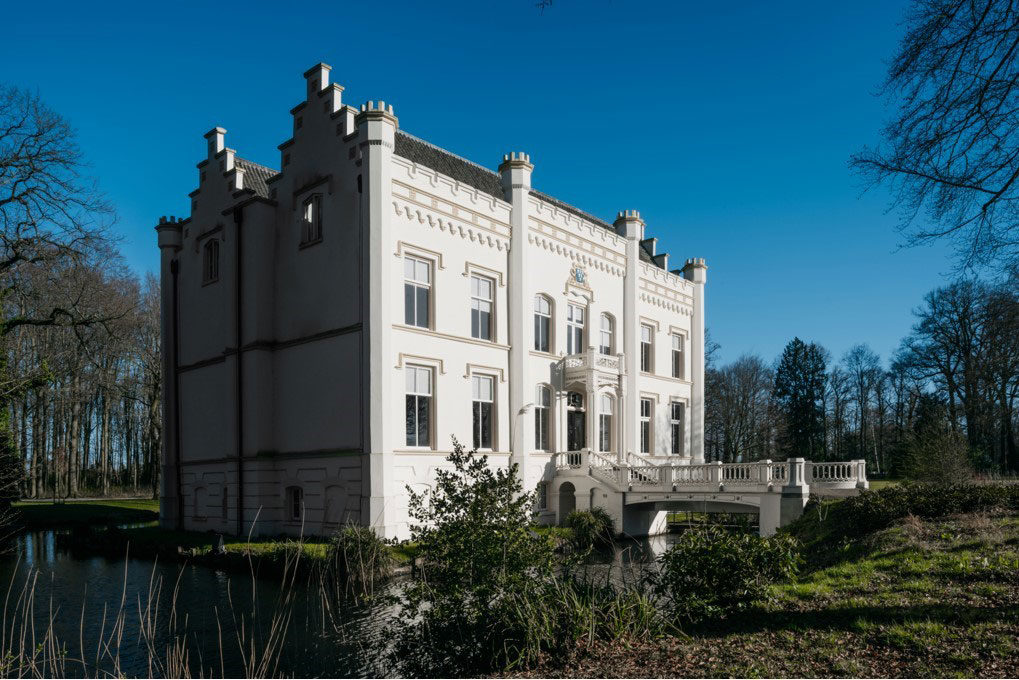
576, 432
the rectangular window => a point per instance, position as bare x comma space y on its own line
542, 409
647, 334
607, 331
574, 329
678, 414
645, 425
481, 307
484, 397
419, 406
210, 261
311, 219
678, 361
605, 424
542, 495
417, 292
542, 324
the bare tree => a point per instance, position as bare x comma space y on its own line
951, 154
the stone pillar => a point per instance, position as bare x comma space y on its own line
781, 507
376, 127
629, 225
697, 272
169, 245
515, 172
591, 413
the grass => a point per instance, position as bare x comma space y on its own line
268, 554
876, 484
69, 514
920, 598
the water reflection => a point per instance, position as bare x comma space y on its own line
211, 606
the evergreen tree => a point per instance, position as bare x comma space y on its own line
799, 390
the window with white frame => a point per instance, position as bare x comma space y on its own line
678, 413
678, 360
417, 291
295, 502
542, 495
608, 330
574, 329
311, 219
542, 411
542, 324
647, 339
605, 413
484, 401
210, 261
646, 409
419, 406
482, 290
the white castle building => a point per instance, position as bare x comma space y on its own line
330, 326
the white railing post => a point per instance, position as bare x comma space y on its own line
861, 473
765, 472
796, 472
715, 473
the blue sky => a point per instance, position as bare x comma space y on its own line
728, 126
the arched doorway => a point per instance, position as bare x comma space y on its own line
567, 501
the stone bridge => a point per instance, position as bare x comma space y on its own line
639, 492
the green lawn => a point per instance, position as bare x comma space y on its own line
876, 484
923, 598
69, 514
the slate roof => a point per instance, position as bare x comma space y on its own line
451, 165
255, 176
480, 177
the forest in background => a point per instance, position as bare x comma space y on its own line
944, 404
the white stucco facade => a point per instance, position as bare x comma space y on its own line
329, 326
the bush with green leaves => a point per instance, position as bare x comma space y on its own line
592, 528
711, 574
828, 526
478, 557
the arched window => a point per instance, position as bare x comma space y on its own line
210, 261
542, 411
605, 412
542, 324
295, 503
607, 344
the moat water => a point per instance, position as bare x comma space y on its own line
81, 594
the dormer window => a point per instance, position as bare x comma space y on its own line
311, 220
210, 261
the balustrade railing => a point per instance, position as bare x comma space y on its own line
639, 472
645, 475
691, 474
836, 473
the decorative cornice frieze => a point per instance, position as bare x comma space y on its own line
473, 233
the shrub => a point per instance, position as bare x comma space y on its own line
591, 528
713, 574
356, 559
829, 528
479, 559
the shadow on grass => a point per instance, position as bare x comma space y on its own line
848, 618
